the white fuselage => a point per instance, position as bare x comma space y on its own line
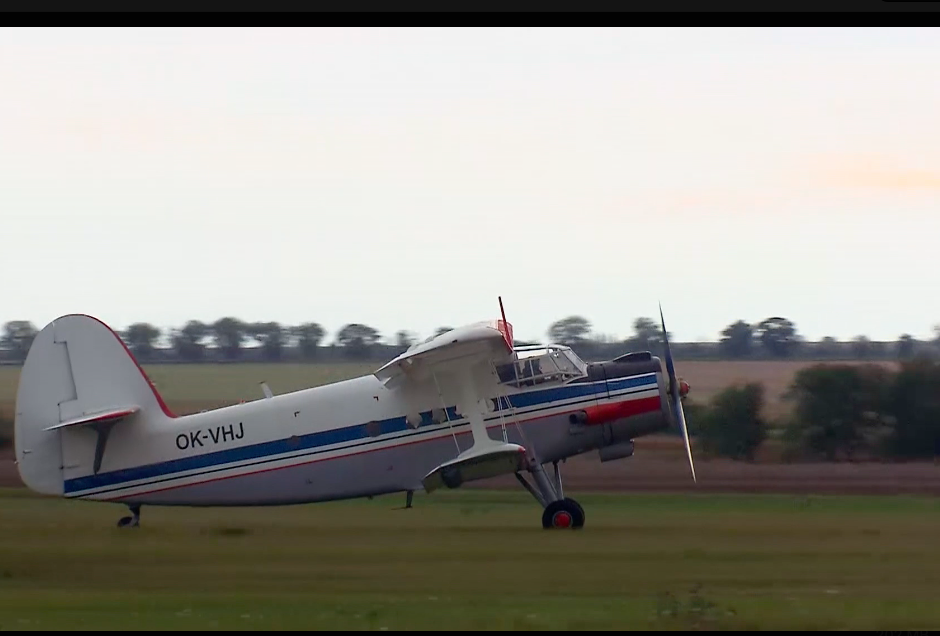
343, 440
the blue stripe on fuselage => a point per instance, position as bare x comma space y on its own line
268, 451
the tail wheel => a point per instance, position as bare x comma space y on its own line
563, 514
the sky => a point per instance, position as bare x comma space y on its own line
406, 178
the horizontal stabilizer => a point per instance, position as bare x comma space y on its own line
103, 417
490, 461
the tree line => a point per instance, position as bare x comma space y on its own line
229, 339
839, 411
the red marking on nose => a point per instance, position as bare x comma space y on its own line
617, 410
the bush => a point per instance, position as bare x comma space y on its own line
732, 426
840, 410
694, 414
915, 403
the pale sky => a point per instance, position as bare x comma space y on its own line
405, 178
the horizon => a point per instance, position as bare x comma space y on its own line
387, 338
331, 175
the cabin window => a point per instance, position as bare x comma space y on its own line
536, 366
506, 372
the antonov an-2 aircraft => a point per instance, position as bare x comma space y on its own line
90, 424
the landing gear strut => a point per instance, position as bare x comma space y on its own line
132, 521
559, 511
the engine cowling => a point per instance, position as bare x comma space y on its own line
619, 423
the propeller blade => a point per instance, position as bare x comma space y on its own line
679, 412
685, 434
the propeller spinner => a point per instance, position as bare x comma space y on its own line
674, 389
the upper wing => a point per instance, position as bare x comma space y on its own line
484, 341
462, 356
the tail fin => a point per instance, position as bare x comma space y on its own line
79, 380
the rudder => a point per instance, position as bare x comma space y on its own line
78, 380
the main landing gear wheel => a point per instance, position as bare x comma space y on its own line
132, 521
558, 511
564, 514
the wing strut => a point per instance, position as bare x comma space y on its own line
487, 457
446, 414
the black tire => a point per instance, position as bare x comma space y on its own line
126, 522
563, 514
579, 518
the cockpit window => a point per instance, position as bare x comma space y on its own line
538, 365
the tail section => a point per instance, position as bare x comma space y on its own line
79, 387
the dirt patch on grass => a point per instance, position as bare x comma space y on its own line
659, 465
656, 474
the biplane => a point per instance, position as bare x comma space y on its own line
461, 406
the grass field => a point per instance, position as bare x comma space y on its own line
476, 560
188, 388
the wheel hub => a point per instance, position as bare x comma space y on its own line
561, 520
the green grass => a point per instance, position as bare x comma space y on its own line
475, 560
